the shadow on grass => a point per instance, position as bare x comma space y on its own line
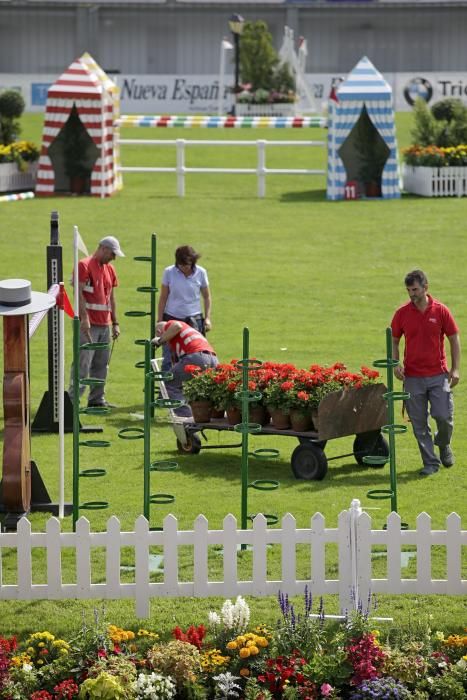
306, 197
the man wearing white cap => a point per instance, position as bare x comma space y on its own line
98, 315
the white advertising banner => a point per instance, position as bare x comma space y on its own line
199, 94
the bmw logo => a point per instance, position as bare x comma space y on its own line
418, 87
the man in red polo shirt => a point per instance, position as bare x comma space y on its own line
425, 322
188, 347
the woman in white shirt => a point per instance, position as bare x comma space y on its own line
183, 285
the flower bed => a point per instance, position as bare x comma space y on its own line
303, 658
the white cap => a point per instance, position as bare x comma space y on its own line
112, 243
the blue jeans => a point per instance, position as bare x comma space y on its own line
175, 386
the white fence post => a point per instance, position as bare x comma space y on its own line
180, 146
261, 168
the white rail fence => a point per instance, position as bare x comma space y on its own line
261, 171
353, 536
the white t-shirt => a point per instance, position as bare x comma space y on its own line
184, 292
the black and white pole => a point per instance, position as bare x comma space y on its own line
47, 416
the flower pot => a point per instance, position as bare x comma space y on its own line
300, 422
201, 411
258, 415
372, 189
77, 184
234, 415
217, 413
280, 420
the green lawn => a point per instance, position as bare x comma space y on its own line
314, 281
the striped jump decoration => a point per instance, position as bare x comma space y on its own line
83, 87
364, 88
220, 122
16, 197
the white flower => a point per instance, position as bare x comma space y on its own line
214, 619
155, 687
27, 667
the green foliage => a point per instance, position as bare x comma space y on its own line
445, 125
426, 130
258, 58
104, 687
444, 110
177, 659
11, 108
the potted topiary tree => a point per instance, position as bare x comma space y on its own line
268, 87
75, 153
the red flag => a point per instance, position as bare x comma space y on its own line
63, 301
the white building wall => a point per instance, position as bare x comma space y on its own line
176, 37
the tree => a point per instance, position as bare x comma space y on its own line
258, 58
11, 108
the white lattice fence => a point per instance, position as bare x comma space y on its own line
435, 182
354, 538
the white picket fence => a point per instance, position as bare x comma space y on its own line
261, 171
450, 181
353, 536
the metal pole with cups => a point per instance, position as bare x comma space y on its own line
151, 376
247, 366
391, 429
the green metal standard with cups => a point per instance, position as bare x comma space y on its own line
391, 429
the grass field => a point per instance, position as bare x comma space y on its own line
314, 281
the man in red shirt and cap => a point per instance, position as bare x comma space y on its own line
97, 315
425, 322
188, 347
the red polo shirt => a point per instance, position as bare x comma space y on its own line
189, 340
424, 331
99, 280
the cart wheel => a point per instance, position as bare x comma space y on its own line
309, 462
192, 446
366, 444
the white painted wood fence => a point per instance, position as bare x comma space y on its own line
181, 169
435, 182
353, 536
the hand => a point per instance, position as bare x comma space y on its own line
156, 341
115, 330
86, 329
207, 324
399, 372
453, 378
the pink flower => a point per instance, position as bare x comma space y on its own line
326, 690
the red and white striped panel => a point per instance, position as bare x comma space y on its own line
79, 86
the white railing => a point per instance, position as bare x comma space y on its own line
181, 169
353, 536
12, 179
450, 181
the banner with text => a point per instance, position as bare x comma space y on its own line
200, 94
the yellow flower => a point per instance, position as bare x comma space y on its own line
232, 645
244, 653
253, 650
262, 642
244, 672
